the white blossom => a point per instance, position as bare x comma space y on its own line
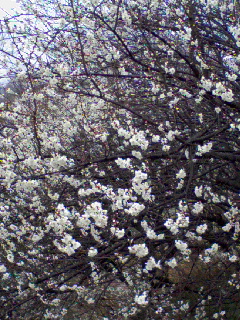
141, 299
172, 134
180, 185
137, 154
172, 263
197, 207
92, 252
122, 132
233, 258
140, 250
227, 227
201, 229
151, 264
155, 138
139, 139
206, 84
231, 77
204, 149
166, 148
135, 209
213, 250
180, 245
182, 220
181, 174
198, 191
123, 163
119, 233
2, 268
96, 212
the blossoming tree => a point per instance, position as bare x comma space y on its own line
120, 160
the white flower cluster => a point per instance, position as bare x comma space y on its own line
58, 162
83, 222
32, 162
62, 69
53, 142
192, 236
231, 77
234, 126
123, 133
188, 33
197, 207
2, 268
233, 258
137, 154
169, 70
225, 94
222, 313
92, 252
155, 138
185, 93
151, 264
151, 234
135, 209
172, 263
70, 244
95, 211
126, 17
172, 134
10, 256
202, 63
60, 221
206, 84
182, 246
233, 217
204, 149
8, 176
26, 185
95, 188
95, 233
208, 194
235, 30
37, 237
141, 299
140, 187
173, 103
202, 228
228, 227
140, 250
4, 213
124, 163
136, 138
120, 198
155, 88
54, 196
184, 306
139, 139
210, 253
198, 191
181, 222
119, 233
181, 175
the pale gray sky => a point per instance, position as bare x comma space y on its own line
6, 7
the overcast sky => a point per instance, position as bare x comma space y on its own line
6, 7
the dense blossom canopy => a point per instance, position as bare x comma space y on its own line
120, 160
